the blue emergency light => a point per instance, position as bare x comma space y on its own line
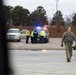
38, 27
41, 27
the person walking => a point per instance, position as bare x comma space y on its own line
35, 36
32, 36
27, 35
42, 35
68, 38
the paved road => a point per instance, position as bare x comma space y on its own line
50, 62
54, 43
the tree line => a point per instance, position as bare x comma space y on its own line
20, 16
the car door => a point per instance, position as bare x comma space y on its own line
22, 34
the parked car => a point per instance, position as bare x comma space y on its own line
13, 34
46, 38
22, 34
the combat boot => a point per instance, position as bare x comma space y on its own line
68, 61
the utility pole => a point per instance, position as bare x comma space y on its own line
57, 20
56, 5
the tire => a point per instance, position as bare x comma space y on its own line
45, 40
19, 40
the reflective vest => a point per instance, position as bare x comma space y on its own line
32, 34
27, 33
42, 33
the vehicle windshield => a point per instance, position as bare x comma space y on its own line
13, 31
38, 30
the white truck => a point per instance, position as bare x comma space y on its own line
13, 34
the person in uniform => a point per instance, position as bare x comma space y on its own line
35, 36
68, 38
42, 35
27, 35
32, 36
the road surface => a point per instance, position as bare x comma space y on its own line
42, 62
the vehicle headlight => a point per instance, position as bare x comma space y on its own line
17, 35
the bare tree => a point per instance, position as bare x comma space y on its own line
68, 21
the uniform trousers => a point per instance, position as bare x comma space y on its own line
68, 51
27, 39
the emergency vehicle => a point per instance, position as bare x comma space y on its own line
46, 38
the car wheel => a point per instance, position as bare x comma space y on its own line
45, 40
19, 40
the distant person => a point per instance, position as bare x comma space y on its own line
35, 36
32, 36
42, 35
68, 38
27, 35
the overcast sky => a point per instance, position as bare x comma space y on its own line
66, 6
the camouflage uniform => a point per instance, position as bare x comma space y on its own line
68, 38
